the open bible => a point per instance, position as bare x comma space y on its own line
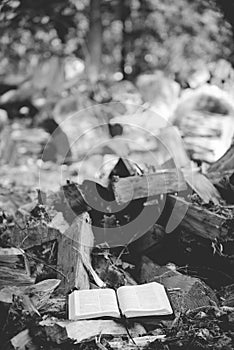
148, 299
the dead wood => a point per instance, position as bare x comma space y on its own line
14, 277
84, 330
74, 250
198, 220
22, 341
186, 292
161, 182
28, 237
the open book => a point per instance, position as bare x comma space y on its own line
131, 301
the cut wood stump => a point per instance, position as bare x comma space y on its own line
161, 182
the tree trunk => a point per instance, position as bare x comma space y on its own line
227, 8
124, 14
94, 42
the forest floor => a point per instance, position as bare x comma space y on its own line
38, 208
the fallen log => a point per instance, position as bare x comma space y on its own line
198, 220
150, 185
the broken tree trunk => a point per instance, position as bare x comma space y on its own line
198, 220
161, 182
74, 250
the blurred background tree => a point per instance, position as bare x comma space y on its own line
123, 36
59, 57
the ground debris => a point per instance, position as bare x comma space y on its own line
57, 234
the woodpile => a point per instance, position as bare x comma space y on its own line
88, 236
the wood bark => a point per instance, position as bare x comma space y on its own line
94, 42
134, 187
198, 220
124, 14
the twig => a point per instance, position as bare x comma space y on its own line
47, 265
128, 332
201, 308
124, 248
52, 251
98, 342
41, 260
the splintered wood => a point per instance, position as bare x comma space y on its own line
74, 252
161, 182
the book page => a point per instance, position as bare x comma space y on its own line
144, 300
93, 303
